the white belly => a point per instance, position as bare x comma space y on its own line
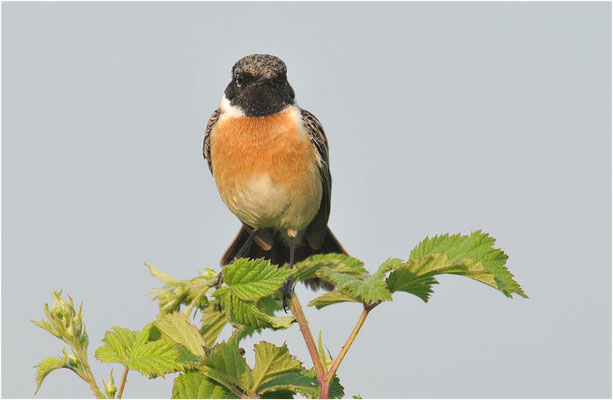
260, 204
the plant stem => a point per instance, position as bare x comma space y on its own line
122, 385
97, 392
196, 299
296, 309
237, 393
324, 389
92, 384
87, 374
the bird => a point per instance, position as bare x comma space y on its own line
270, 162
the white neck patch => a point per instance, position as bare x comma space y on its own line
230, 110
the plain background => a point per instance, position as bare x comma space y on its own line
441, 118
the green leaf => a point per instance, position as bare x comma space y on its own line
473, 256
281, 322
176, 293
303, 382
178, 328
271, 304
226, 365
337, 390
247, 313
278, 394
160, 275
322, 354
333, 297
135, 350
403, 280
109, 387
195, 385
389, 264
270, 361
48, 365
118, 345
367, 289
296, 381
307, 268
254, 279
213, 322
155, 358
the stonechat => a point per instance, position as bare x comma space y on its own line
269, 158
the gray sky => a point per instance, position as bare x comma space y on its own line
441, 117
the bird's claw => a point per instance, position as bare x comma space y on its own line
219, 280
288, 288
218, 283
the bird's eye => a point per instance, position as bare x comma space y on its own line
239, 79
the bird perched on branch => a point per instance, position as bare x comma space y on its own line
269, 159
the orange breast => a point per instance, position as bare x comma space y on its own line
270, 158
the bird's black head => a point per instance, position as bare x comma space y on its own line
259, 85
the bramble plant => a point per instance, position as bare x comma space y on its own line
247, 300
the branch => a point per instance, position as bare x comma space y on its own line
324, 389
124, 379
87, 374
296, 309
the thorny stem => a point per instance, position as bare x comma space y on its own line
95, 388
124, 379
296, 309
324, 387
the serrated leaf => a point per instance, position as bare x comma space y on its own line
254, 279
307, 268
195, 385
333, 297
160, 275
118, 344
303, 382
297, 382
247, 313
403, 280
271, 304
478, 247
48, 365
270, 361
386, 266
472, 256
178, 328
336, 390
155, 359
367, 289
213, 322
281, 322
226, 365
176, 293
134, 350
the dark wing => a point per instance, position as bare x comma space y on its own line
316, 231
206, 148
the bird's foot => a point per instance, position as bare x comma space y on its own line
218, 283
219, 280
288, 288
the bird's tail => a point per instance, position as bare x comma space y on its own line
278, 253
